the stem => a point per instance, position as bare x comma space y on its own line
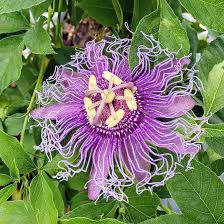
58, 26
44, 63
165, 209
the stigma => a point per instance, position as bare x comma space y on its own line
110, 105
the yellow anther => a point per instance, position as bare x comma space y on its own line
92, 83
108, 96
91, 112
111, 78
114, 120
130, 100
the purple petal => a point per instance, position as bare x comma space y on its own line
99, 171
55, 111
162, 135
180, 106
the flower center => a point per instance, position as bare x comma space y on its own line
108, 106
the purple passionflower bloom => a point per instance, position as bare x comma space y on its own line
127, 126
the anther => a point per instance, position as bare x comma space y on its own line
113, 121
92, 83
91, 112
111, 78
130, 100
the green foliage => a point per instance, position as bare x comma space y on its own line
13, 22
168, 219
119, 12
211, 74
165, 27
5, 179
204, 10
213, 89
199, 193
11, 150
141, 8
10, 60
81, 220
38, 40
6, 192
102, 209
42, 200
17, 212
17, 5
141, 207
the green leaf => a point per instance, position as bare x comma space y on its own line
5, 179
165, 27
17, 212
215, 51
141, 207
78, 181
218, 166
10, 60
14, 123
6, 192
17, 5
216, 144
39, 9
53, 165
141, 8
13, 22
38, 40
14, 171
199, 193
96, 211
213, 130
102, 11
11, 150
214, 89
168, 219
57, 196
82, 220
79, 199
204, 10
119, 12
42, 200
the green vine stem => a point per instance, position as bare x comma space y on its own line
44, 63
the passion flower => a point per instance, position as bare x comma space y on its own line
126, 126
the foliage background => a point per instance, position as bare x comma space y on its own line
36, 35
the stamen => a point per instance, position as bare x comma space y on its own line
111, 78
108, 96
130, 100
91, 112
113, 121
92, 83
